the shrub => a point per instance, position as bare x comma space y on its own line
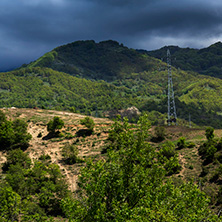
88, 122
190, 145
168, 150
210, 153
55, 124
219, 144
18, 157
209, 133
172, 165
70, 154
160, 133
13, 134
181, 143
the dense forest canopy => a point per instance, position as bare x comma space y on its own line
205, 61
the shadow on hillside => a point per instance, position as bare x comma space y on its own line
84, 132
49, 136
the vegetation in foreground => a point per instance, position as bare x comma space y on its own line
133, 181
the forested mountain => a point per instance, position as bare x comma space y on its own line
106, 60
131, 78
46, 88
113, 172
207, 61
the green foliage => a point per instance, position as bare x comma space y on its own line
38, 190
88, 122
219, 144
160, 133
10, 203
13, 134
209, 133
169, 158
181, 143
130, 185
70, 153
17, 157
55, 124
167, 150
208, 149
205, 61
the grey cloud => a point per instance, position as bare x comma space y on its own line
37, 26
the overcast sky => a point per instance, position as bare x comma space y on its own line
30, 28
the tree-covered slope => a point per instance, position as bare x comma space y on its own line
47, 88
205, 61
44, 87
132, 79
106, 60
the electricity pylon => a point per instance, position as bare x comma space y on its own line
172, 116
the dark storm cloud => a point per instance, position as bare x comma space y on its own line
30, 28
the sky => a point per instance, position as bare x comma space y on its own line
30, 28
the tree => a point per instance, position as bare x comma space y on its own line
13, 134
17, 156
209, 133
130, 185
88, 122
160, 133
70, 153
10, 203
55, 124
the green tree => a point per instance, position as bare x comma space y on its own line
13, 134
10, 203
160, 133
181, 143
209, 133
17, 156
70, 153
88, 122
55, 124
130, 185
21, 136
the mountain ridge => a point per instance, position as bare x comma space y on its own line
141, 82
206, 61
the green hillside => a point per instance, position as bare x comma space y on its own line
107, 76
205, 61
106, 60
46, 88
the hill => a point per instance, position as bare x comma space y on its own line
106, 60
44, 87
132, 79
45, 151
206, 61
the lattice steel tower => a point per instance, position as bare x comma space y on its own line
172, 116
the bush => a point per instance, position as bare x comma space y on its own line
88, 122
172, 166
160, 133
190, 145
219, 144
70, 154
181, 143
210, 153
168, 150
17, 157
39, 135
209, 133
13, 134
55, 124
